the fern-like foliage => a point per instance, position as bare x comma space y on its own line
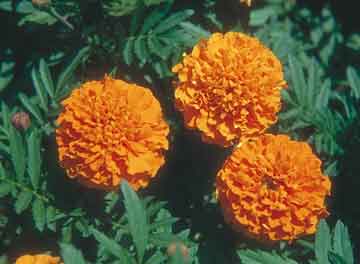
142, 234
159, 38
328, 248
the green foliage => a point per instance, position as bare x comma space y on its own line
141, 40
159, 38
147, 224
7, 65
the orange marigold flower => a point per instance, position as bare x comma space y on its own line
229, 87
111, 130
273, 188
37, 259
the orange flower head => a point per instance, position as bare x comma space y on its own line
111, 130
229, 88
37, 259
272, 188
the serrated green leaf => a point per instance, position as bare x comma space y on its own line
68, 72
23, 201
110, 245
297, 79
40, 89
39, 214
137, 218
17, 152
46, 78
322, 242
354, 81
32, 108
34, 158
154, 18
262, 257
342, 243
195, 30
128, 51
156, 47
140, 49
173, 21
71, 255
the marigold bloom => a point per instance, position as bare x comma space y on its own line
37, 259
229, 87
273, 188
111, 130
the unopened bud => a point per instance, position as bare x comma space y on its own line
21, 120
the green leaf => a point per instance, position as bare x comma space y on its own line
23, 201
7, 65
354, 81
110, 245
156, 258
22, 6
68, 72
71, 255
154, 18
38, 17
259, 17
17, 152
195, 30
173, 20
47, 79
336, 259
342, 243
128, 51
34, 158
322, 242
137, 218
50, 215
262, 257
32, 108
5, 188
39, 214
40, 89
140, 49
5, 115
297, 79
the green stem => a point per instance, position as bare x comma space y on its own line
24, 188
61, 18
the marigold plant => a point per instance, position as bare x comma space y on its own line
111, 130
37, 259
229, 87
273, 188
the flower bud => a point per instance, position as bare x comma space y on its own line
21, 120
171, 250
